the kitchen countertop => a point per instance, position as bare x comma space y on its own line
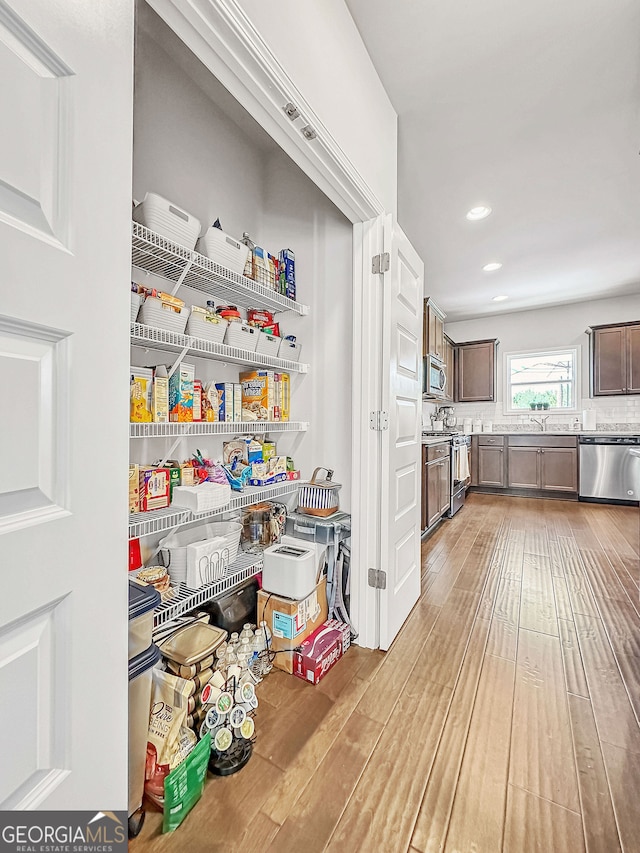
564, 432
437, 439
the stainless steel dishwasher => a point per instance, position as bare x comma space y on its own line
610, 468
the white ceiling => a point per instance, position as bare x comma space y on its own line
533, 108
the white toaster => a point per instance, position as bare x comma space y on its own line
290, 570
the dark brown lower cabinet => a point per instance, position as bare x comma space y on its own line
524, 468
491, 466
436, 483
532, 462
559, 469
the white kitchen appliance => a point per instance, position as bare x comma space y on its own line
290, 570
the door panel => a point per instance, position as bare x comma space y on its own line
490, 466
401, 443
633, 359
476, 372
65, 206
559, 469
610, 363
524, 468
433, 492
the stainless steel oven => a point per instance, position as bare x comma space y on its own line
460, 471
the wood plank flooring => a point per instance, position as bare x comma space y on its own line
505, 717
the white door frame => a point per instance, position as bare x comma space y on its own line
224, 39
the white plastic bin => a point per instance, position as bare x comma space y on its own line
268, 344
206, 325
224, 250
153, 312
242, 335
167, 219
140, 678
289, 350
135, 305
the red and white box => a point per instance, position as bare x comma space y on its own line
321, 650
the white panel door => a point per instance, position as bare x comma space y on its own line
401, 442
65, 202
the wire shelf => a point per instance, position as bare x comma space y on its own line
246, 566
150, 336
159, 520
216, 428
155, 254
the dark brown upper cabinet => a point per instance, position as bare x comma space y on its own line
476, 371
433, 330
615, 359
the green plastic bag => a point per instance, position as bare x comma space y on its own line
183, 786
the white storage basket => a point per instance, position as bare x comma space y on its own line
289, 350
154, 313
202, 498
167, 219
224, 250
268, 344
135, 305
242, 335
173, 549
206, 325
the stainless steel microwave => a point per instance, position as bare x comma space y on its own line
435, 377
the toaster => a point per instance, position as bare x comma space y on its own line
290, 571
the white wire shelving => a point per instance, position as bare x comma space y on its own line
245, 566
150, 336
159, 520
155, 254
173, 430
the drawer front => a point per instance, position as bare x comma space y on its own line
490, 440
438, 451
541, 440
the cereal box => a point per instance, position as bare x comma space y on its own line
181, 393
285, 397
237, 401
160, 395
140, 395
258, 395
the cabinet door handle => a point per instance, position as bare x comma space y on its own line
542, 451
501, 450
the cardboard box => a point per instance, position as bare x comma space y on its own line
287, 267
285, 397
141, 395
258, 393
181, 393
225, 401
134, 488
237, 401
154, 488
175, 479
292, 621
160, 397
197, 400
321, 651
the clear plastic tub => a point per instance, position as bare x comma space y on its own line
142, 602
140, 677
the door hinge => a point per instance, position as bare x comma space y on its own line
379, 421
380, 263
377, 579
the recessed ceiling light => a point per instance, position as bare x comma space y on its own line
496, 265
499, 298
480, 212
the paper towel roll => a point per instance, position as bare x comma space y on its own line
588, 419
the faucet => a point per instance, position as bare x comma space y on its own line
542, 423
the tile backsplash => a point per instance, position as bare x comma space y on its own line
612, 414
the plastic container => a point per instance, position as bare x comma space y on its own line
224, 250
167, 219
289, 350
242, 335
206, 325
268, 344
140, 676
142, 602
153, 312
135, 305
173, 548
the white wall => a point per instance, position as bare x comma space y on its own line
196, 146
319, 46
561, 326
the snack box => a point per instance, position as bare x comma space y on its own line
141, 395
197, 400
273, 471
237, 401
155, 488
225, 401
160, 395
291, 621
181, 393
321, 651
134, 488
285, 396
175, 479
293, 475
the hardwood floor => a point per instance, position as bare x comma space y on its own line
503, 718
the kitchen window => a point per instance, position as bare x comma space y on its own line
542, 380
